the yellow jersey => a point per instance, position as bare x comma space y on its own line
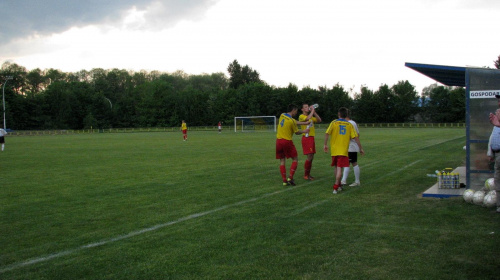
287, 126
303, 118
341, 132
184, 126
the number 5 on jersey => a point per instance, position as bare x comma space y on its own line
342, 130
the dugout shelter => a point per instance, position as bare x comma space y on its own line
481, 86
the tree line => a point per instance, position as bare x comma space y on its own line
117, 98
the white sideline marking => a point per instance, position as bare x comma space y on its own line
135, 233
435, 144
299, 211
403, 168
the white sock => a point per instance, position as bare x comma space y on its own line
346, 173
3, 146
356, 173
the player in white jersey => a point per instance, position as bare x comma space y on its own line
353, 157
2, 137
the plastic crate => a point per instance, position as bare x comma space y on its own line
447, 179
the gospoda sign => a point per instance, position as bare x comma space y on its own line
484, 93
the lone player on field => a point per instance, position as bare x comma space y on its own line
184, 130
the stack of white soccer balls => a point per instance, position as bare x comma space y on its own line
486, 197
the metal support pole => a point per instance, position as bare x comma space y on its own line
3, 98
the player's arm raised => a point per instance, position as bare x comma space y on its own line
318, 118
304, 123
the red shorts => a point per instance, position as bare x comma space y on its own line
184, 131
340, 161
308, 145
285, 148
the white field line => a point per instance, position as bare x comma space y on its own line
136, 233
414, 150
402, 168
302, 210
435, 144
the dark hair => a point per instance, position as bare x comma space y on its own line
343, 112
292, 107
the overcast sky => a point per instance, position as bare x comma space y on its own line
307, 43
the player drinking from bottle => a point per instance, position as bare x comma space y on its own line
308, 143
287, 126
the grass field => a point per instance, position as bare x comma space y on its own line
150, 206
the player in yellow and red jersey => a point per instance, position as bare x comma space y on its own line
308, 143
184, 130
287, 126
341, 132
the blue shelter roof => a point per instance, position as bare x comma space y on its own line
447, 75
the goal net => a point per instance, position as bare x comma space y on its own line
255, 123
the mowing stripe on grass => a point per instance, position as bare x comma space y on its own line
401, 228
138, 232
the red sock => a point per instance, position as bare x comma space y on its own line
307, 168
293, 168
283, 172
335, 187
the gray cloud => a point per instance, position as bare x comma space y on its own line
23, 18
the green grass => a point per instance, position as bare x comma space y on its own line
150, 206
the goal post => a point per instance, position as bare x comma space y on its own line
255, 123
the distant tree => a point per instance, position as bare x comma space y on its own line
363, 106
332, 100
406, 101
457, 99
426, 91
497, 62
384, 106
241, 75
53, 75
35, 80
446, 104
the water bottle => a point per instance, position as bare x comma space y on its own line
315, 105
309, 126
448, 180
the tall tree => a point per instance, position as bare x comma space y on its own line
35, 81
446, 104
384, 104
406, 102
363, 106
239, 76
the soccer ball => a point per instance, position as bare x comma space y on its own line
478, 198
489, 184
468, 194
490, 199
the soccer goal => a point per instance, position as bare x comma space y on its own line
255, 123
